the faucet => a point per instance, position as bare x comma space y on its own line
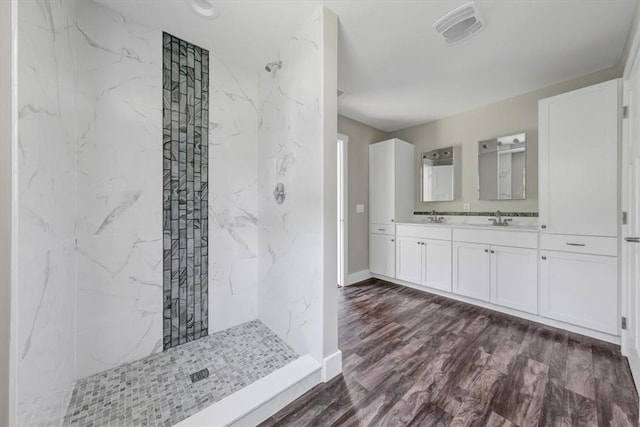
435, 219
498, 221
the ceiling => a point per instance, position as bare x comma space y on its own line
394, 69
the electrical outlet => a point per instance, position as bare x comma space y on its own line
359, 208
466, 207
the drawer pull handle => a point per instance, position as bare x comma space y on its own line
576, 244
632, 239
380, 229
544, 257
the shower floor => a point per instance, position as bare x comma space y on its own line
158, 390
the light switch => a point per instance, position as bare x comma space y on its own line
359, 208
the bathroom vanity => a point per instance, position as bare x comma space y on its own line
560, 269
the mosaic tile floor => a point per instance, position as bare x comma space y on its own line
158, 391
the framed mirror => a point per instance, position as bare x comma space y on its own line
502, 168
437, 175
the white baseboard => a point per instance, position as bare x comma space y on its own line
614, 339
332, 366
261, 399
358, 276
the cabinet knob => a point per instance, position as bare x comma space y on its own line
391, 220
392, 240
493, 252
486, 250
543, 226
543, 257
419, 243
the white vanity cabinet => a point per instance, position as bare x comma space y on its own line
472, 270
391, 194
382, 254
497, 266
579, 289
578, 173
423, 256
578, 161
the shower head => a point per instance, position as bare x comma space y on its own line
272, 66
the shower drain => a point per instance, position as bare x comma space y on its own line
200, 375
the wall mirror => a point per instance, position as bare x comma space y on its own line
501, 168
437, 175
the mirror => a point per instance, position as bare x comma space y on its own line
501, 168
437, 175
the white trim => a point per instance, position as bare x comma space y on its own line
343, 265
259, 400
527, 316
13, 380
331, 366
358, 276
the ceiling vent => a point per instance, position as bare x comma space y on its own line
460, 23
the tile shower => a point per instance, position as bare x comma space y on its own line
148, 233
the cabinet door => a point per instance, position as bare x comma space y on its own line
514, 278
437, 264
382, 255
471, 270
580, 289
578, 161
381, 182
409, 259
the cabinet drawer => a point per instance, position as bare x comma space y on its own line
520, 239
388, 229
579, 244
424, 231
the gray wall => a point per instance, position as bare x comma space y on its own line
5, 207
360, 136
514, 115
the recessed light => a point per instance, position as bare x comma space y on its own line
204, 8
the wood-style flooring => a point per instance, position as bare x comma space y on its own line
411, 358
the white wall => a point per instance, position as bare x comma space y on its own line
6, 194
46, 183
292, 135
120, 299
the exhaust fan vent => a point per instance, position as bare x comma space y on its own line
460, 23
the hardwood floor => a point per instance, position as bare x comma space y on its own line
411, 358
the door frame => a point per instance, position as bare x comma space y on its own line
343, 209
632, 65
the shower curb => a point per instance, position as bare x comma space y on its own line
261, 399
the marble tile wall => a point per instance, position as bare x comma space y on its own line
290, 152
186, 195
120, 191
46, 189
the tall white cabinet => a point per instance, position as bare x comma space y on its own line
391, 200
578, 177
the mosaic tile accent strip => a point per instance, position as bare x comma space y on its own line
158, 391
185, 182
513, 214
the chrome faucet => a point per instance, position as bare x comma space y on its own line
498, 221
434, 218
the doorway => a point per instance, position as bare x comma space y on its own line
343, 244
